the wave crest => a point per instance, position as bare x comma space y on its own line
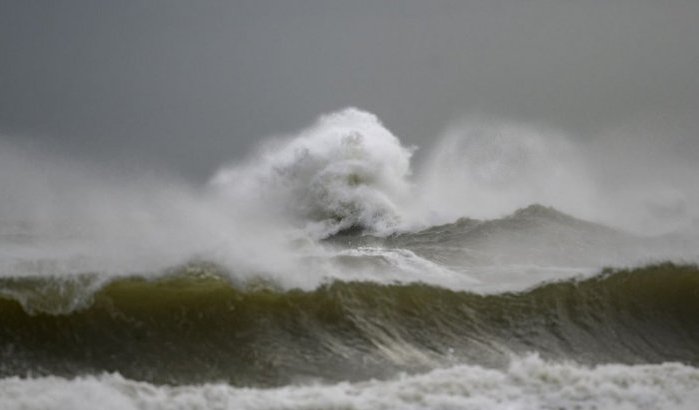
346, 171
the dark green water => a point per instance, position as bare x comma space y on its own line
189, 328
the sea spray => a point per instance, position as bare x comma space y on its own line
486, 170
267, 213
345, 171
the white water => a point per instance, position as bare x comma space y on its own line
528, 383
344, 171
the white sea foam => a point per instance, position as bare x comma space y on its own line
528, 383
387, 265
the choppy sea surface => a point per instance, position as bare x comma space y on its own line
317, 275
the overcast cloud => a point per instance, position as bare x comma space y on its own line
184, 86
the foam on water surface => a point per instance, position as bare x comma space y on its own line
528, 383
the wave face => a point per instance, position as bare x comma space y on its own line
197, 327
536, 235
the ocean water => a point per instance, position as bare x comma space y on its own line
324, 272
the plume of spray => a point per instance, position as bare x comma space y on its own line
259, 217
345, 171
60, 217
485, 170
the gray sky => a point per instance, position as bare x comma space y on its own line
187, 85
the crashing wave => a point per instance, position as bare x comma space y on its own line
346, 171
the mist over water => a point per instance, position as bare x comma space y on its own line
483, 170
267, 213
64, 217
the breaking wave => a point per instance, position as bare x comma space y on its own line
194, 326
346, 171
